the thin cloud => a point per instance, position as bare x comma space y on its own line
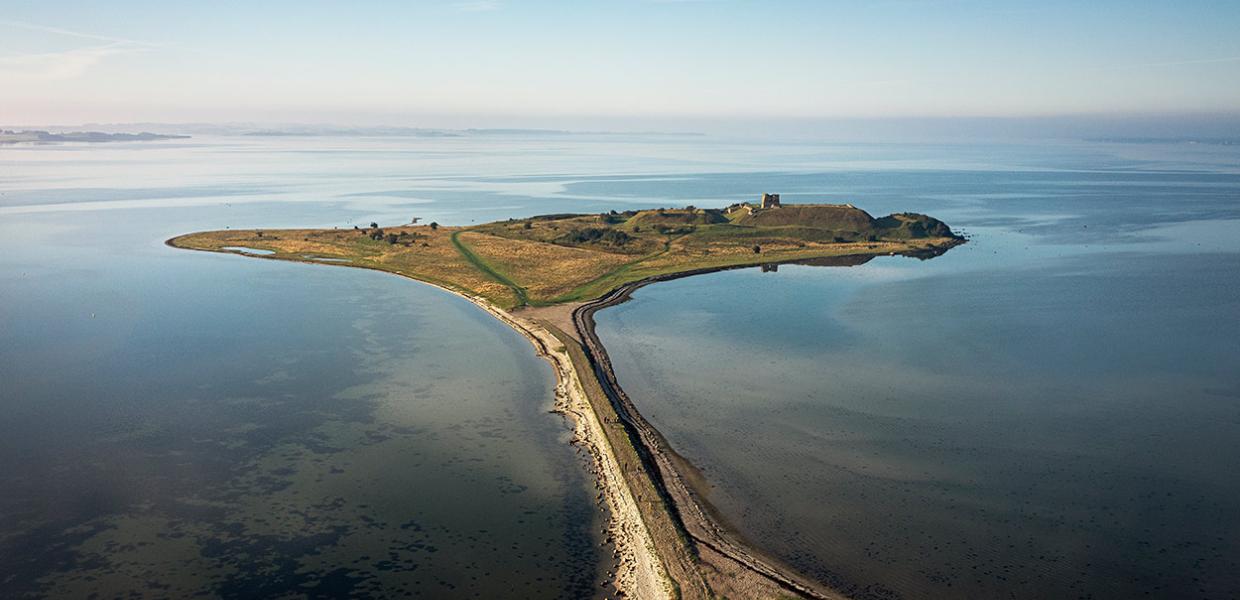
64, 64
52, 66
76, 34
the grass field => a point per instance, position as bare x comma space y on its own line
564, 258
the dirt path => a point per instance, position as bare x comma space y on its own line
523, 297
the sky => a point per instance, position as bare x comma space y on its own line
615, 63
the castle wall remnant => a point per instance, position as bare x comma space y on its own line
769, 201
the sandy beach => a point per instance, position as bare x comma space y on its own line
668, 542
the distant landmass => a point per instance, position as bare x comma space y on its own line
34, 132
14, 137
352, 131
325, 131
1170, 140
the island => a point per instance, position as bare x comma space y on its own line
94, 137
546, 276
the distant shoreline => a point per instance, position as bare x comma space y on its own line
92, 137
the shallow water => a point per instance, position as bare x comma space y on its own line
174, 422
245, 250
1052, 410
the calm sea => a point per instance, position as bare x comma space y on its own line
1050, 410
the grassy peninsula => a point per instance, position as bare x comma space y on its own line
554, 259
546, 276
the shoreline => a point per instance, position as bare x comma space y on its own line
670, 542
701, 523
640, 572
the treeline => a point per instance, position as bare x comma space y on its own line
407, 238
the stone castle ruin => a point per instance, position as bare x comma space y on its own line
766, 201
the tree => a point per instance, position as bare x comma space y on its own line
374, 225
434, 225
757, 249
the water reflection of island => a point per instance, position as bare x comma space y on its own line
854, 260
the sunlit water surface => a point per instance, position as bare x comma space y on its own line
1051, 411
1051, 408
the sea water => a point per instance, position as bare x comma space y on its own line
1050, 408
1050, 411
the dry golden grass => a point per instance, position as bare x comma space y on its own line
550, 230
546, 271
430, 255
510, 265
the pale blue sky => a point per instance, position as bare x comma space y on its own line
489, 62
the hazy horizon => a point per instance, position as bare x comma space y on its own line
1066, 127
1107, 68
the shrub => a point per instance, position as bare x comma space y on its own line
757, 249
610, 237
434, 225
